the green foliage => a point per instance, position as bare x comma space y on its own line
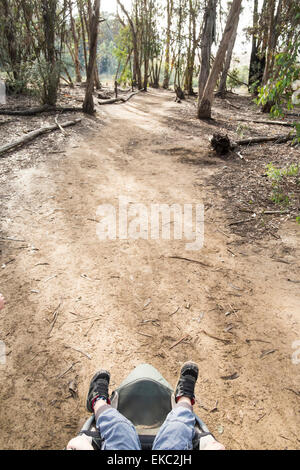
121, 51
44, 82
241, 128
279, 178
233, 80
276, 174
279, 89
237, 76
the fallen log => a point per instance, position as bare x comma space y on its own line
39, 110
271, 123
222, 144
122, 99
32, 135
259, 140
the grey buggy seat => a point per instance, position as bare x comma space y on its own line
146, 399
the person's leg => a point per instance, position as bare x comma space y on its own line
178, 430
117, 432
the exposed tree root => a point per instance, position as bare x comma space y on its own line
222, 144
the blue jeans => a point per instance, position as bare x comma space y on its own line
119, 433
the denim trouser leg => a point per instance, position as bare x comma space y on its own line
117, 431
178, 431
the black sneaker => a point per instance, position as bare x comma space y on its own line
98, 388
188, 378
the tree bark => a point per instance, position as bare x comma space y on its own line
88, 105
136, 55
205, 103
76, 45
208, 36
222, 87
170, 6
257, 63
51, 76
80, 9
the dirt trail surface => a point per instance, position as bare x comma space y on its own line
76, 304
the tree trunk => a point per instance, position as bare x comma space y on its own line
222, 87
170, 6
271, 12
136, 57
88, 105
257, 63
205, 103
189, 73
80, 9
207, 39
76, 45
273, 35
51, 76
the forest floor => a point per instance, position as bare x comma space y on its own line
76, 304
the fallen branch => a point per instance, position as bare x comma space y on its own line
184, 338
270, 123
32, 135
68, 370
258, 140
123, 99
55, 315
61, 129
190, 261
230, 377
39, 110
10, 239
79, 351
224, 341
238, 222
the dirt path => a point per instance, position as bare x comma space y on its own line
76, 303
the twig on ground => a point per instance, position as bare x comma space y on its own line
180, 341
231, 377
68, 370
239, 222
190, 261
80, 351
224, 341
171, 314
145, 334
55, 315
266, 353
